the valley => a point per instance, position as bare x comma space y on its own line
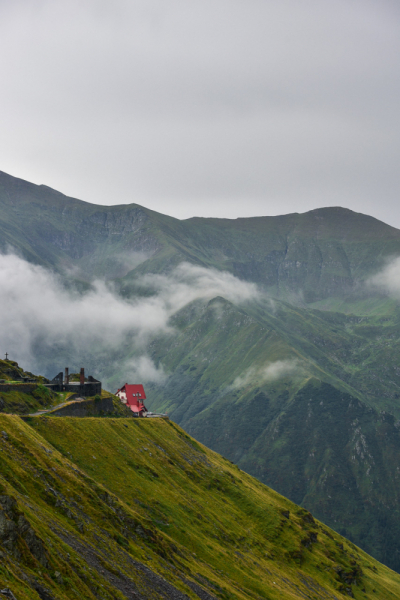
272, 340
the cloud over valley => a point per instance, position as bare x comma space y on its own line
39, 314
269, 372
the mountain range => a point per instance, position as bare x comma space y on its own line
295, 379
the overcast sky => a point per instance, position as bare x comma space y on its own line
220, 108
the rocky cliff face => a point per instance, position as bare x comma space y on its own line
17, 534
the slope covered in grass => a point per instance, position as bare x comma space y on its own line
22, 391
305, 400
95, 508
334, 412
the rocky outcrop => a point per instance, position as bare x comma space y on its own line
17, 534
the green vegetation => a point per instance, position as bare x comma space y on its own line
11, 372
20, 402
18, 397
22, 392
325, 433
104, 508
321, 254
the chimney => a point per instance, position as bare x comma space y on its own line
66, 380
82, 376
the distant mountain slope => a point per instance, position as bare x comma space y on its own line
298, 399
126, 508
305, 399
321, 253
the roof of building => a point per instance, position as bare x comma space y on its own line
136, 390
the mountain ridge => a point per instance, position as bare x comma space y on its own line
217, 358
312, 252
318, 212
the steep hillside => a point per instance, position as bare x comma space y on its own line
94, 508
304, 400
21, 391
306, 373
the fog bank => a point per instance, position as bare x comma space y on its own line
38, 312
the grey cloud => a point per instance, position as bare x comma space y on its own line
142, 368
387, 280
36, 307
268, 372
188, 282
223, 108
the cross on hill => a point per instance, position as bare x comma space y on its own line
6, 355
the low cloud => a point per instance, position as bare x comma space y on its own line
188, 282
39, 312
388, 279
268, 372
143, 369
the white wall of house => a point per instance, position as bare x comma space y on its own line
122, 397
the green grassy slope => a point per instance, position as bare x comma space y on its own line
216, 342
323, 449
331, 415
336, 331
17, 396
95, 508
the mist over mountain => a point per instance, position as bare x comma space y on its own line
316, 255
274, 340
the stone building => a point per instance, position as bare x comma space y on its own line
84, 387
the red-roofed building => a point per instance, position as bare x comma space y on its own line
133, 396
